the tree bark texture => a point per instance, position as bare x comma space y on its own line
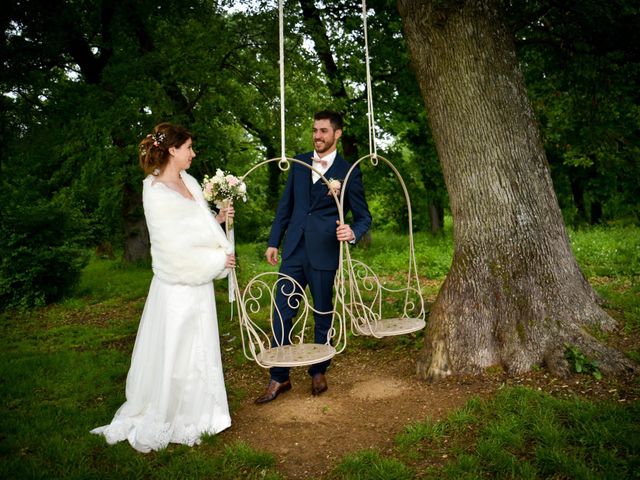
514, 294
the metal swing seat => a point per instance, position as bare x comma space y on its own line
261, 344
265, 339
366, 295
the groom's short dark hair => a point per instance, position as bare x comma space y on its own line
334, 117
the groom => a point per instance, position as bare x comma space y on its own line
308, 214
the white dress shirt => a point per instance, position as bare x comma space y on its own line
328, 158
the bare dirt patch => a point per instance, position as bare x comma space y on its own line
373, 395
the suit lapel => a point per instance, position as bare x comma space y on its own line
308, 184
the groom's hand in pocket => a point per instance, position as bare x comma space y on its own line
272, 255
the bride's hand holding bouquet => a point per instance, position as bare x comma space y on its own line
221, 190
226, 214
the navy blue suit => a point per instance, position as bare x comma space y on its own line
306, 218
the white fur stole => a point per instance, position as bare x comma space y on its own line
188, 246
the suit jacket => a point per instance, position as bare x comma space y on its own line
307, 210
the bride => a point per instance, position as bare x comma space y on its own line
175, 387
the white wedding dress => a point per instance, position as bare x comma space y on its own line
175, 388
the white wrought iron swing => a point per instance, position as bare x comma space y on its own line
357, 289
259, 315
365, 294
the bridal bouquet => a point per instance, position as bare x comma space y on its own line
223, 188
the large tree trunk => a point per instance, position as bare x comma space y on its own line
136, 241
436, 215
515, 294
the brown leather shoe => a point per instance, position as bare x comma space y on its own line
318, 384
273, 390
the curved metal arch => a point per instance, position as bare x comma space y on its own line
284, 165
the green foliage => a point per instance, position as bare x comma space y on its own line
255, 216
582, 82
580, 363
41, 253
76, 126
72, 120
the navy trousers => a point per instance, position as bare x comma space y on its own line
320, 284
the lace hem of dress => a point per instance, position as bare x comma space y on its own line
156, 435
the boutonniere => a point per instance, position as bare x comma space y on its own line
334, 186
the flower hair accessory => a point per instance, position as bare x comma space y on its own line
158, 138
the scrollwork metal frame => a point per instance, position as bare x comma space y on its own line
353, 278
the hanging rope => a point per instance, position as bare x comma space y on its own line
281, 45
372, 125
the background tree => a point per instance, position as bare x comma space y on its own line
515, 294
582, 65
85, 86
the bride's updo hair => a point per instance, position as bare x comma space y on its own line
153, 151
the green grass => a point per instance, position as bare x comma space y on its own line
371, 465
387, 253
610, 258
63, 367
607, 251
104, 280
525, 434
52, 397
62, 371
